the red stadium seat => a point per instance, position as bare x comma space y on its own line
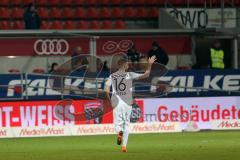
117, 12
25, 2
197, 3
16, 2
17, 13
18, 25
43, 12
83, 25
105, 13
107, 25
178, 2
66, 2
55, 13
142, 12
127, 2
129, 12
115, 2
5, 13
120, 25
69, 25
53, 2
237, 2
68, 13
41, 2
92, 12
161, 2
91, 2
79, 2
140, 2
45, 25
4, 2
104, 2
95, 25
154, 2
80, 13
5, 25
154, 12
56, 25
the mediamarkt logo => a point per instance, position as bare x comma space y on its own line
228, 82
229, 125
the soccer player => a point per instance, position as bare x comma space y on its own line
122, 99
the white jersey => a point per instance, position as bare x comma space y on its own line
121, 83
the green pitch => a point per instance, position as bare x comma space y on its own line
171, 146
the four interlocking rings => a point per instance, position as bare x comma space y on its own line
51, 46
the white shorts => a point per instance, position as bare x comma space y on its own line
121, 115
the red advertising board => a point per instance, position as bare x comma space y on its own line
172, 45
105, 45
52, 118
56, 113
42, 46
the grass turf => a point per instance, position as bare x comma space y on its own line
171, 146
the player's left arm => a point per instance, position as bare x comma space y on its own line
146, 74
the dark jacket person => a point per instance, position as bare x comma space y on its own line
31, 18
133, 54
160, 54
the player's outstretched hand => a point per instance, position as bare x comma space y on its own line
152, 59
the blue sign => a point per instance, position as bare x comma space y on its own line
183, 83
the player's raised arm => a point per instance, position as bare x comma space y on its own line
146, 74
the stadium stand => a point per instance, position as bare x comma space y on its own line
43, 12
45, 25
92, 11
17, 13
56, 25
4, 25
18, 25
70, 25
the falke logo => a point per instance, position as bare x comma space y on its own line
227, 124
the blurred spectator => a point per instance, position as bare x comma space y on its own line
31, 17
78, 59
133, 54
105, 67
54, 67
99, 64
142, 63
160, 54
217, 56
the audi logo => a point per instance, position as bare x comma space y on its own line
51, 46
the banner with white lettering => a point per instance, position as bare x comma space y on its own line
184, 82
51, 118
